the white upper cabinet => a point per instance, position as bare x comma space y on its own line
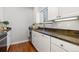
52, 13
69, 11
62, 12
44, 14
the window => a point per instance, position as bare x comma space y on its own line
44, 15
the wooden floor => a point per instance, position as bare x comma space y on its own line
22, 47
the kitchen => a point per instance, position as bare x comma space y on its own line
45, 29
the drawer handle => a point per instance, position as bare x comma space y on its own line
61, 45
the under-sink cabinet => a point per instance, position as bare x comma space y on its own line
41, 42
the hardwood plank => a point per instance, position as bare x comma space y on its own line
22, 47
3, 49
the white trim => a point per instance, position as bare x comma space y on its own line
8, 47
19, 42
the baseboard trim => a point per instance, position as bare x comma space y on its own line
19, 42
16, 43
33, 46
8, 47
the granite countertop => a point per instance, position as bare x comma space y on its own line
60, 36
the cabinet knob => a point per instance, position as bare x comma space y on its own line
61, 45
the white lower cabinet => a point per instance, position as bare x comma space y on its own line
35, 39
41, 42
65, 46
55, 48
45, 43
55, 45
70, 47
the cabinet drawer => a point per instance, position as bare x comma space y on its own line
56, 41
70, 47
65, 45
55, 48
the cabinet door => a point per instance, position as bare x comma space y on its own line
35, 39
41, 42
44, 43
69, 11
52, 13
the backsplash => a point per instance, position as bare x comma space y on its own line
72, 25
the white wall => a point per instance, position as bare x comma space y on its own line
20, 19
1, 13
36, 15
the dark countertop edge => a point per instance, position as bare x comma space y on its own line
58, 38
